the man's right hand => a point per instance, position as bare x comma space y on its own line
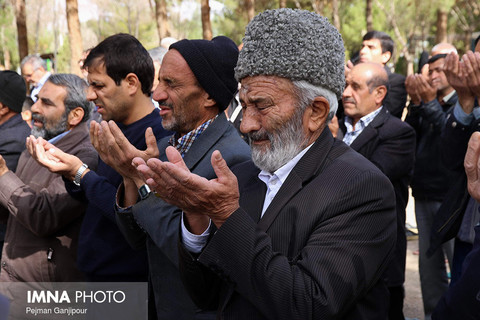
412, 90
53, 158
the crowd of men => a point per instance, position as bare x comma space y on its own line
296, 224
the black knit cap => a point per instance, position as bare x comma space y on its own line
12, 90
212, 63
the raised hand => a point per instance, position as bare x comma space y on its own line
412, 90
456, 76
115, 149
472, 166
195, 195
53, 158
424, 89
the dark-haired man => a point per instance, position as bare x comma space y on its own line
43, 219
378, 47
192, 93
388, 143
432, 100
120, 77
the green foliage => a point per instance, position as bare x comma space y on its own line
8, 34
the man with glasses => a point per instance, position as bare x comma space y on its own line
34, 71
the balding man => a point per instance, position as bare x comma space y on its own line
34, 71
388, 143
304, 231
432, 101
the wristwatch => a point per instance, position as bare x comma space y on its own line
144, 191
79, 173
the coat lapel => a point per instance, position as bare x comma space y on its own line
371, 131
203, 143
308, 167
206, 140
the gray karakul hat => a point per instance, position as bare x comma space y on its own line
294, 44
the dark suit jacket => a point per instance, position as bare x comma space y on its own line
462, 300
161, 220
389, 144
317, 253
396, 98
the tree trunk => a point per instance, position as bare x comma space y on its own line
282, 3
318, 6
21, 18
75, 36
250, 9
6, 53
441, 35
206, 25
335, 15
368, 15
37, 26
161, 17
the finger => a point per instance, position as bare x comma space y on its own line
30, 146
118, 135
223, 172
472, 157
175, 157
151, 141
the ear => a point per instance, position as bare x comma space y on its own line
380, 93
133, 84
75, 117
316, 114
3, 109
209, 102
386, 56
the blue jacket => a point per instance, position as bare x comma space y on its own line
103, 253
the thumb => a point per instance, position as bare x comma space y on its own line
220, 167
472, 156
151, 142
175, 157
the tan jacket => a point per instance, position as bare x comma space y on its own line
43, 219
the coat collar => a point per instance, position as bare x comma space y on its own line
202, 144
309, 166
371, 130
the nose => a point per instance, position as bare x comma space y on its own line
34, 107
159, 94
347, 92
91, 95
250, 120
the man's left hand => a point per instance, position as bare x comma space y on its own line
426, 91
115, 149
174, 183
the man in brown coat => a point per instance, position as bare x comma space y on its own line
43, 220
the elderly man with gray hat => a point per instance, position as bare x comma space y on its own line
13, 129
306, 229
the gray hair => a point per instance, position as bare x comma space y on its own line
157, 54
76, 93
35, 60
306, 92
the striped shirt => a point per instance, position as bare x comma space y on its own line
361, 124
183, 143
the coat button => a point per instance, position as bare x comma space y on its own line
454, 124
